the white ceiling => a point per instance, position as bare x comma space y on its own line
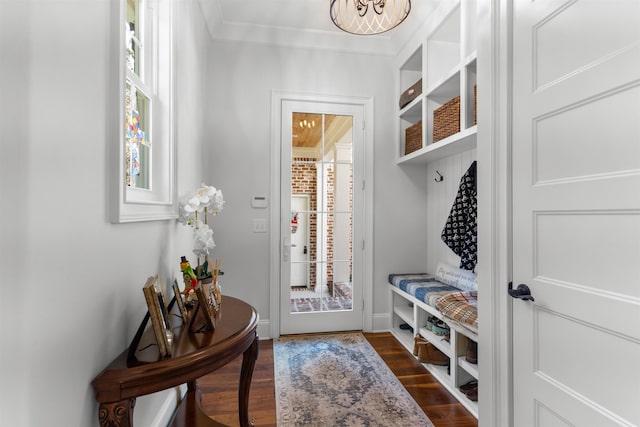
304, 23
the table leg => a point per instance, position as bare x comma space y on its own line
249, 358
116, 414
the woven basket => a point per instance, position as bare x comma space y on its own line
413, 138
446, 119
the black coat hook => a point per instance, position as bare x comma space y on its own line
440, 178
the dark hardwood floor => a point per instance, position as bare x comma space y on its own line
220, 392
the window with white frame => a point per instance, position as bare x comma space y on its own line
145, 152
137, 97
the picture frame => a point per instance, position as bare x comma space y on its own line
158, 314
182, 308
207, 304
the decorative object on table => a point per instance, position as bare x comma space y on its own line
194, 211
207, 307
216, 285
177, 295
189, 278
157, 313
339, 379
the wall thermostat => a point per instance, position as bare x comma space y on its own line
259, 202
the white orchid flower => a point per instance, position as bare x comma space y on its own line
203, 241
217, 202
208, 198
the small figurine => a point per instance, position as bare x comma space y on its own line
188, 276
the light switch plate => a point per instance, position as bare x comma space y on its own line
259, 225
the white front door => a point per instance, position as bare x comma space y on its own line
576, 212
299, 241
322, 156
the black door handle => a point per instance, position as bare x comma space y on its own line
521, 292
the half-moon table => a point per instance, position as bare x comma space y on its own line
194, 354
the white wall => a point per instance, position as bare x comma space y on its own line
71, 294
241, 78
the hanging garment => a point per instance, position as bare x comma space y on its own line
460, 232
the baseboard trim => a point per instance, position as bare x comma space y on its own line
168, 407
381, 322
264, 329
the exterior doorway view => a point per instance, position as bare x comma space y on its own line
321, 220
321, 217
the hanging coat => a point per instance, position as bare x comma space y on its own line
460, 232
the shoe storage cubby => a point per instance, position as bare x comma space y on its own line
409, 311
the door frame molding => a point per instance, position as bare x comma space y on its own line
278, 97
495, 348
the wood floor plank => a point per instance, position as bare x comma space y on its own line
220, 388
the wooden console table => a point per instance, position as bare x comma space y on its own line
194, 355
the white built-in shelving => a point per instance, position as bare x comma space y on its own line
446, 63
410, 311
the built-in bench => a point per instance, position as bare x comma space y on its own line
449, 296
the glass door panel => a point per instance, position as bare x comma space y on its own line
321, 213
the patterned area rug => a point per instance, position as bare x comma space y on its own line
339, 380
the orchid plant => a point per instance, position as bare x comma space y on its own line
193, 211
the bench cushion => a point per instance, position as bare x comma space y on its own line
424, 287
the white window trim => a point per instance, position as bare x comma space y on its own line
127, 204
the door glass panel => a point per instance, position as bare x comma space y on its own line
321, 218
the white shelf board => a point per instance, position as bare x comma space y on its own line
405, 313
412, 110
462, 330
471, 368
405, 337
447, 87
454, 144
440, 373
437, 341
470, 59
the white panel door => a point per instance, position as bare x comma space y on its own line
576, 212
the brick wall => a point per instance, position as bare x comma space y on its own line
304, 181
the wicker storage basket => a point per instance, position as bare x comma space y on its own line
413, 138
446, 119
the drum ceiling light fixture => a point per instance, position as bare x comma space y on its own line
366, 17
